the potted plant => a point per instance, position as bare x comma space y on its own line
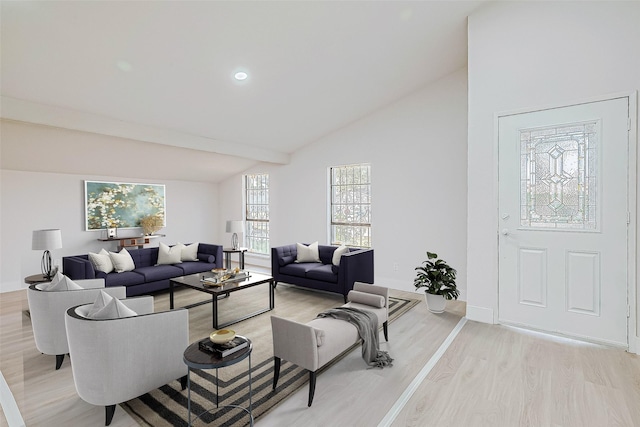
439, 282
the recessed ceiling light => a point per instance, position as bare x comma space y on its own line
240, 75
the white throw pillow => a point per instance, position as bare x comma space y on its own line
57, 278
114, 309
167, 255
101, 302
122, 261
307, 253
342, 249
189, 252
63, 284
101, 261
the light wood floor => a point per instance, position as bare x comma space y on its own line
490, 376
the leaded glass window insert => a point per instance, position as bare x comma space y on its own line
559, 177
256, 200
351, 205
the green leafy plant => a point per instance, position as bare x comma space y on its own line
437, 277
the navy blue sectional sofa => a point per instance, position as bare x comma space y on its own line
355, 266
147, 276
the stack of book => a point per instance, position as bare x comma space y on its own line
223, 349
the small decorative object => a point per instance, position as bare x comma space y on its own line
222, 336
439, 281
46, 240
150, 224
112, 233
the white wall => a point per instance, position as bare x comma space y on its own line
527, 55
33, 200
417, 149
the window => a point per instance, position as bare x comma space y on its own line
559, 172
256, 200
351, 205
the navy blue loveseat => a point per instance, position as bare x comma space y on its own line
355, 266
147, 276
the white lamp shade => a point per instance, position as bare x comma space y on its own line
46, 239
235, 226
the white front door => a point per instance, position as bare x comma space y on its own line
563, 220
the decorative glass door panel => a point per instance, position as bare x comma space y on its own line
559, 173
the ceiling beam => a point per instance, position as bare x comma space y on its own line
31, 112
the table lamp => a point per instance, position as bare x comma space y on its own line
46, 240
235, 227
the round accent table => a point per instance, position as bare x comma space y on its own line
195, 358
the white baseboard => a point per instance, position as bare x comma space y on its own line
634, 345
14, 285
480, 314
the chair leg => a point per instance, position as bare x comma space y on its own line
276, 371
183, 382
109, 411
312, 386
59, 359
385, 328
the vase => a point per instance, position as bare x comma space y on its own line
435, 303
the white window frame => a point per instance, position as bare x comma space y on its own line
255, 228
356, 201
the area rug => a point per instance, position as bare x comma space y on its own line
167, 406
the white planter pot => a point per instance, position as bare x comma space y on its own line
435, 303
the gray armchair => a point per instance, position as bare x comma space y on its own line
116, 360
47, 311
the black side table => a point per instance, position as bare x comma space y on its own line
36, 278
227, 256
195, 358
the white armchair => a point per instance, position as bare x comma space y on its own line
47, 311
116, 360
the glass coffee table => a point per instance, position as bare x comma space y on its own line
194, 281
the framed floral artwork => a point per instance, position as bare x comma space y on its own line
122, 205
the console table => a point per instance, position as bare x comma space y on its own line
133, 241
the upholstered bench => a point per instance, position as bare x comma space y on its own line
318, 342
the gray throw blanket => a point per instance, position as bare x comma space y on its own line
367, 324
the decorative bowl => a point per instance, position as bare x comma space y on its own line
222, 336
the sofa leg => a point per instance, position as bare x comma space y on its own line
275, 284
345, 299
276, 371
183, 382
385, 328
109, 411
59, 359
312, 386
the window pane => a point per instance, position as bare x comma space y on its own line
558, 172
351, 205
257, 213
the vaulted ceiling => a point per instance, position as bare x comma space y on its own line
162, 72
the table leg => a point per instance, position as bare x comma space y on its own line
228, 262
217, 390
170, 295
250, 393
189, 394
241, 260
272, 296
214, 311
